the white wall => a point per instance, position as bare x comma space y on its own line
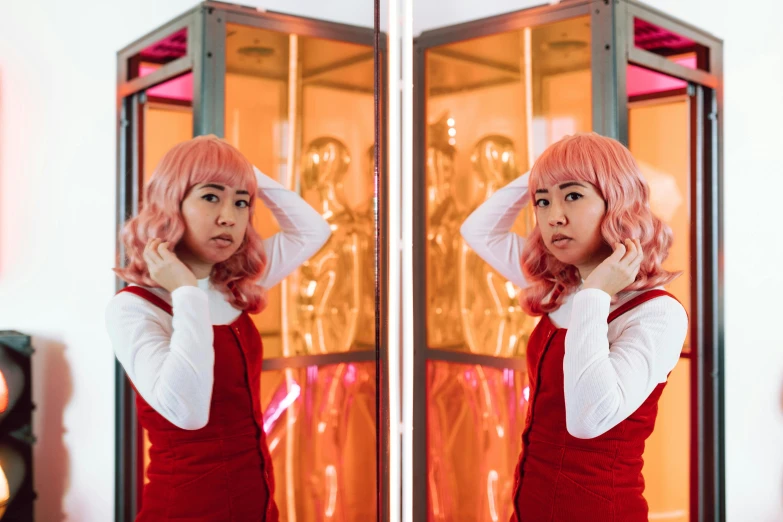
57, 168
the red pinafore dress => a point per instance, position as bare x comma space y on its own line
223, 471
560, 478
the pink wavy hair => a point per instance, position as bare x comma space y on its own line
200, 160
610, 168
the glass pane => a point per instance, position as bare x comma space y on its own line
475, 416
301, 109
178, 89
320, 424
163, 51
641, 81
670, 45
165, 125
167, 120
667, 455
493, 105
659, 139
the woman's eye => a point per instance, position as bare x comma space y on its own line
542, 202
573, 196
210, 197
243, 204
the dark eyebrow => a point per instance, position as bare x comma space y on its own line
221, 187
562, 187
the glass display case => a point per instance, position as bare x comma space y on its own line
490, 96
295, 96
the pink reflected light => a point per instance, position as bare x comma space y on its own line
643, 81
350, 375
180, 88
274, 411
471, 378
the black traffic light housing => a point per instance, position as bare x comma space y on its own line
16, 428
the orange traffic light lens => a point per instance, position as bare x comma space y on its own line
3, 394
5, 490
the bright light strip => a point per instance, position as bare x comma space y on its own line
393, 330
407, 261
293, 86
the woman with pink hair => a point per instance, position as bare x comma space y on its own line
183, 333
608, 337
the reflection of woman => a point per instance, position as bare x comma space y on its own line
608, 337
183, 334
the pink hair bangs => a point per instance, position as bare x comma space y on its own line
200, 160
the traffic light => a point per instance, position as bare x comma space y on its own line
16, 428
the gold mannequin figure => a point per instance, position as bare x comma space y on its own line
492, 318
444, 327
327, 301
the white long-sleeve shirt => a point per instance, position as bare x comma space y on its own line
609, 369
170, 359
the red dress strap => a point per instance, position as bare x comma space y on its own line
149, 296
636, 301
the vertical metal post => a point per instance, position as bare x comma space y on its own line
610, 35
209, 72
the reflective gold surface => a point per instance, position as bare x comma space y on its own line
320, 425
327, 301
443, 221
475, 420
493, 321
299, 108
333, 283
485, 315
